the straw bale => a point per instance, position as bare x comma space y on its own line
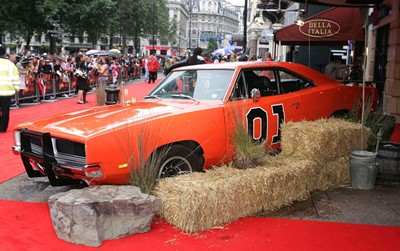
331, 174
200, 201
314, 156
322, 140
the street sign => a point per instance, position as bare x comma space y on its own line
52, 31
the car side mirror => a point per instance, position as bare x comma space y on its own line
255, 95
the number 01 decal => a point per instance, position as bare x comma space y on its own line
257, 123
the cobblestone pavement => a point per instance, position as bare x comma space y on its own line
380, 206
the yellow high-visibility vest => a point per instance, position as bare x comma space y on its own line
9, 78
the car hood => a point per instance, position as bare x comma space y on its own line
93, 121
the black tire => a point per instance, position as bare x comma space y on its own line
179, 160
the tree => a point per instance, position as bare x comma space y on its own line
212, 45
129, 18
144, 18
27, 17
90, 16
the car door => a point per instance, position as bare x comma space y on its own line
315, 101
262, 117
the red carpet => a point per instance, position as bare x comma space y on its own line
27, 226
29, 113
20, 231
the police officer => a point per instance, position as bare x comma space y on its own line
9, 84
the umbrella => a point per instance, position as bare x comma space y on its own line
114, 53
235, 49
91, 52
221, 52
102, 53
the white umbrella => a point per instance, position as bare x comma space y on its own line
91, 52
114, 53
221, 52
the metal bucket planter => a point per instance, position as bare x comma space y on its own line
363, 169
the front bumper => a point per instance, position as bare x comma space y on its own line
40, 156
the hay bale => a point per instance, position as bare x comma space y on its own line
314, 156
322, 140
330, 174
200, 201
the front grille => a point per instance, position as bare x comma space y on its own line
44, 148
69, 153
32, 144
36, 145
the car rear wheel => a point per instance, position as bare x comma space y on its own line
178, 160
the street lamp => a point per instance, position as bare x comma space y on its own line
245, 27
190, 24
154, 23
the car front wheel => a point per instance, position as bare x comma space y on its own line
179, 160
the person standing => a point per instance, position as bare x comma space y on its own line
82, 83
145, 69
153, 66
9, 85
104, 76
268, 56
331, 68
195, 59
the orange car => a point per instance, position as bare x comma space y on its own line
185, 123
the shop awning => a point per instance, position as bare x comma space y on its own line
335, 26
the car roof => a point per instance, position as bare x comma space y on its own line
235, 65
294, 67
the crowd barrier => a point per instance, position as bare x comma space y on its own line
38, 88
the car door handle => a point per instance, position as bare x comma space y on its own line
297, 104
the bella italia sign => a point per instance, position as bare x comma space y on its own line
320, 28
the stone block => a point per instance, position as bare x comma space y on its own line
392, 104
394, 36
392, 87
393, 53
393, 70
90, 215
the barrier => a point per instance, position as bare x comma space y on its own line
28, 95
62, 86
49, 87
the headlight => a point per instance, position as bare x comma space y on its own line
17, 137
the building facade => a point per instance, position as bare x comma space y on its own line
211, 19
383, 53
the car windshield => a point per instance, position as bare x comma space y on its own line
194, 84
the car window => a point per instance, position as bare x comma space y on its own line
261, 79
243, 85
290, 83
196, 84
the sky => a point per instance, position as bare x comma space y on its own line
237, 2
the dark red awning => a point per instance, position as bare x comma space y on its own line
332, 27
